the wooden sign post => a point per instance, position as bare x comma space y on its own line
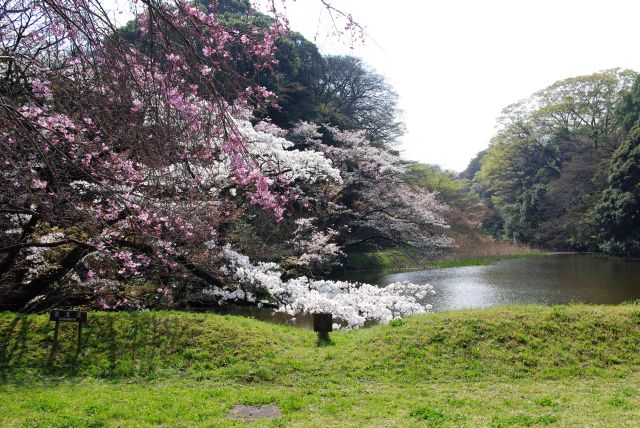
323, 324
59, 315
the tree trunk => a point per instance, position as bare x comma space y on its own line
15, 297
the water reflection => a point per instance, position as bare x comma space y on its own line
553, 279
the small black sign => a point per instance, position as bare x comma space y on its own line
322, 323
68, 316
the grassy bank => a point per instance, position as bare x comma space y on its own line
399, 258
482, 260
514, 366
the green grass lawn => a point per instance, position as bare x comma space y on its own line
572, 365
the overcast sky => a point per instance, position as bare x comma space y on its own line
457, 63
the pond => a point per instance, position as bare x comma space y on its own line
550, 279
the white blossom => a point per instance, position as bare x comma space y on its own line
352, 303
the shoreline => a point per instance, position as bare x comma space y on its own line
412, 263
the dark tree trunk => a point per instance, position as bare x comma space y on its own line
15, 297
5, 265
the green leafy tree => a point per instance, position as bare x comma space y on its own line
628, 110
618, 212
544, 169
449, 187
583, 106
295, 81
353, 96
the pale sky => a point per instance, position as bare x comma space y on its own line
457, 63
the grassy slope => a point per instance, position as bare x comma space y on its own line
513, 366
394, 259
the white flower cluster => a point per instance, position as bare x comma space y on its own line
276, 154
36, 256
352, 303
314, 246
273, 154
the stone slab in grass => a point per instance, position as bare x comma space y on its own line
252, 413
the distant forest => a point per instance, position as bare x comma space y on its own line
563, 171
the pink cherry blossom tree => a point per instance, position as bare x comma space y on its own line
127, 161
132, 154
374, 207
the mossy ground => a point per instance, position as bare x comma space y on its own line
574, 365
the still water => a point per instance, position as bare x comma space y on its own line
551, 279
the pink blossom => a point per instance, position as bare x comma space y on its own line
41, 88
137, 105
38, 184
